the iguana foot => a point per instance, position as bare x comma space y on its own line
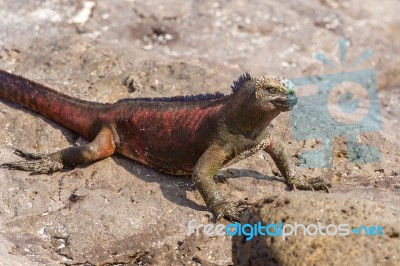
36, 163
315, 183
229, 211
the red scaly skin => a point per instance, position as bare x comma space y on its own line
166, 138
70, 112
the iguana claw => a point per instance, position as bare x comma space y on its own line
230, 211
28, 155
36, 163
315, 183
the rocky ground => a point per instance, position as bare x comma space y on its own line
118, 212
365, 246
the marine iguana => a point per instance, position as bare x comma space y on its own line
183, 135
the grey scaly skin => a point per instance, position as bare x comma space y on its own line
185, 135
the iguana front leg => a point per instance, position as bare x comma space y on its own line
278, 153
206, 168
101, 147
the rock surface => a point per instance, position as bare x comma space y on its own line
118, 212
364, 247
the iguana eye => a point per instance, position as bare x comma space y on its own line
272, 90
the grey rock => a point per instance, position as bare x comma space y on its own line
307, 208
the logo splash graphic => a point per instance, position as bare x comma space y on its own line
345, 104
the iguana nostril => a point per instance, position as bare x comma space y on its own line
292, 99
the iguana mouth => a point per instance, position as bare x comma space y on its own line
286, 103
281, 103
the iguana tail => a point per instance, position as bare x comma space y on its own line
75, 114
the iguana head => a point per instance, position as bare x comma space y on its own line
275, 93
257, 101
